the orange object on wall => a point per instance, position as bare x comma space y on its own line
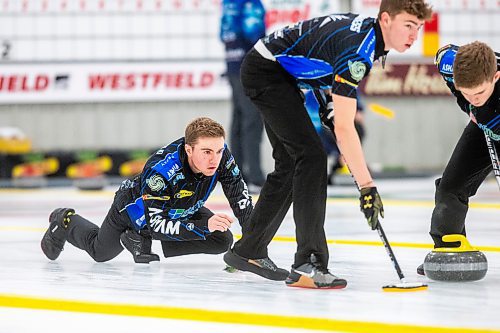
430, 42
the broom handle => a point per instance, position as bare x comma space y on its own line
388, 248
494, 158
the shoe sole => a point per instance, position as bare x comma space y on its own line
142, 259
305, 282
245, 266
45, 247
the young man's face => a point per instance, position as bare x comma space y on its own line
477, 96
205, 155
400, 31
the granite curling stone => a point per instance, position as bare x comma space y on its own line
463, 263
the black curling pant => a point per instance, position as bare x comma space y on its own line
299, 174
103, 243
469, 165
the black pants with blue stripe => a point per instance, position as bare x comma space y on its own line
468, 167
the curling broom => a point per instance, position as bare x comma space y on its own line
404, 285
494, 158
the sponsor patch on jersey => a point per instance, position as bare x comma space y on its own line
190, 226
340, 79
357, 69
169, 165
301, 67
235, 171
177, 177
230, 162
445, 62
333, 18
183, 194
176, 213
155, 183
152, 197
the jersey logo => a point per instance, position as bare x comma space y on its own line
183, 194
152, 197
357, 69
445, 62
155, 183
333, 18
340, 79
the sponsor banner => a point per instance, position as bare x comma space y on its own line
280, 13
107, 82
404, 80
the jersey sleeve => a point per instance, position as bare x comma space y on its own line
348, 72
444, 59
235, 188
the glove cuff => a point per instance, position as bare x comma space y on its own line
367, 190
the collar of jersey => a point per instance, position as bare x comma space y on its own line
380, 46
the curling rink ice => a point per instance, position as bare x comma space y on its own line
194, 294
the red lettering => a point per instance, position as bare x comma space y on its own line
12, 83
97, 81
178, 80
115, 81
144, 77
189, 77
157, 78
284, 16
24, 85
129, 81
207, 79
41, 82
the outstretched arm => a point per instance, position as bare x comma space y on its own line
348, 140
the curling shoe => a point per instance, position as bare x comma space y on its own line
53, 241
139, 246
314, 275
264, 267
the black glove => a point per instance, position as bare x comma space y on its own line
371, 205
325, 109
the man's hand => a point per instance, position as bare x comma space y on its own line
371, 205
219, 222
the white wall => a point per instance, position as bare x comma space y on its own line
419, 138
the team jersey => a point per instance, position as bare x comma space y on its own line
329, 52
242, 24
167, 194
487, 116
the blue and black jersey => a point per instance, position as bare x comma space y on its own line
242, 24
488, 115
330, 52
167, 194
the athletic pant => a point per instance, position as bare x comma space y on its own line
299, 174
246, 133
103, 243
469, 165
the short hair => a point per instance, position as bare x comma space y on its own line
203, 127
475, 63
419, 8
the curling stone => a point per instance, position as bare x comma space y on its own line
463, 263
